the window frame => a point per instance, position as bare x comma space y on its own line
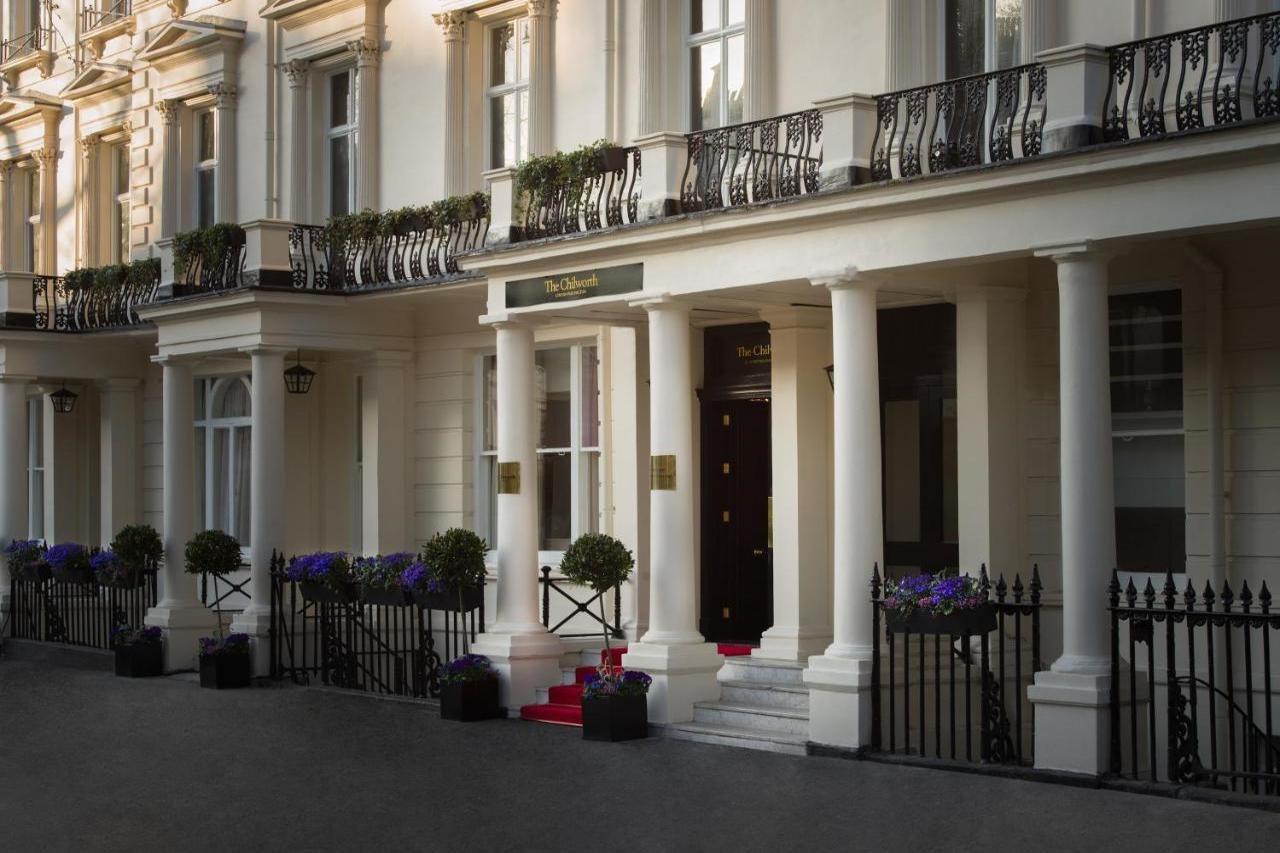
199, 167
121, 213
691, 41
349, 130
214, 388
989, 50
494, 91
31, 218
35, 467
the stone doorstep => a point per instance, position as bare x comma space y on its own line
789, 744
754, 718
782, 696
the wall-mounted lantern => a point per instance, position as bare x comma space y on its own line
63, 400
297, 379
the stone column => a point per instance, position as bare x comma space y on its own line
179, 610
47, 161
653, 64
761, 70
90, 210
542, 60
225, 104
6, 215
1072, 723
266, 496
682, 664
800, 343
170, 203
839, 680
453, 24
299, 136
525, 654
385, 528
13, 472
118, 455
367, 52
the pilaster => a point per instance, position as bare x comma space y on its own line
87, 250
758, 88
169, 201
453, 25
653, 64
542, 58
225, 97
368, 55
299, 72
47, 162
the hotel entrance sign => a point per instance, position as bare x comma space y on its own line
572, 286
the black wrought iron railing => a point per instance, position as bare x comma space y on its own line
753, 162
80, 612
934, 693
107, 12
969, 121
37, 40
373, 648
591, 608
223, 592
416, 253
59, 308
1210, 692
1225, 74
222, 269
607, 198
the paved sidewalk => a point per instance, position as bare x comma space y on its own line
92, 762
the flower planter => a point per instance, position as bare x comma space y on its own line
132, 579
392, 597
33, 573
613, 159
226, 671
959, 623
470, 701
614, 718
317, 591
140, 660
472, 597
81, 576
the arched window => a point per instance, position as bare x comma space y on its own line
224, 435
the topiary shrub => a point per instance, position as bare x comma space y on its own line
214, 552
456, 559
138, 546
598, 561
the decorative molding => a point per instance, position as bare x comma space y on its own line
541, 8
177, 8
168, 111
296, 70
89, 145
45, 157
224, 95
366, 50
452, 23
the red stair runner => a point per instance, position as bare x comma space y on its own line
564, 701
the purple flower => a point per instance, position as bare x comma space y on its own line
467, 668
232, 644
66, 555
417, 576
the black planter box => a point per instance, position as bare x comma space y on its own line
960, 623
140, 660
132, 579
614, 718
472, 597
470, 701
83, 576
317, 591
33, 573
396, 597
613, 159
226, 671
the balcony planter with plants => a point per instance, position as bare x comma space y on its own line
614, 703
469, 690
323, 576
381, 579
139, 652
455, 559
934, 604
225, 663
70, 563
26, 560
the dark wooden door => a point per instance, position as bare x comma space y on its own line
737, 560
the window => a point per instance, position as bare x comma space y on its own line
1147, 431
568, 478
357, 539
120, 205
342, 119
717, 60
508, 93
206, 165
223, 443
31, 224
981, 35
35, 468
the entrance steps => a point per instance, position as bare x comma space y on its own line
763, 705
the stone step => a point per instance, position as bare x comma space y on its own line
754, 718
762, 671
764, 694
790, 744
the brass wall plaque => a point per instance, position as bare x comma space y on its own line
662, 473
508, 478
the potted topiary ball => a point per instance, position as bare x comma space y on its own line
614, 703
456, 559
139, 548
225, 662
139, 651
69, 563
469, 690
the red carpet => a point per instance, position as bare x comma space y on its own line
564, 701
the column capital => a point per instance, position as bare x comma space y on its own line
366, 50
6, 166
452, 23
660, 302
224, 95
169, 359
541, 8
89, 144
44, 157
168, 111
507, 320
1082, 250
844, 279
296, 70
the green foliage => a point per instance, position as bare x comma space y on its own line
111, 278
456, 557
139, 546
213, 551
597, 560
538, 174
208, 245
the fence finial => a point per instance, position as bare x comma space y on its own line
1035, 583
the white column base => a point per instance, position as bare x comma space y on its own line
255, 620
787, 642
1073, 723
184, 625
839, 701
6, 604
524, 663
682, 674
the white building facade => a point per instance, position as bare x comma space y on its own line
831, 314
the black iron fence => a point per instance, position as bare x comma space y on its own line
934, 694
77, 613
757, 161
607, 198
1193, 662
1225, 73
375, 648
59, 308
592, 608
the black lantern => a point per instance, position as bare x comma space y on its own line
297, 379
831, 375
63, 400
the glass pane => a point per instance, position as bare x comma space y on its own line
240, 497
965, 38
202, 386
219, 519
339, 175
522, 36
555, 486
522, 127
339, 99
706, 15
1146, 360
737, 12
502, 55
234, 401
591, 491
490, 402
502, 130
902, 471
35, 434
1008, 33
33, 192
35, 514
207, 149
122, 169
122, 231
205, 183
552, 395
590, 405
199, 459
489, 482
950, 474
705, 83
736, 70
1150, 503
33, 246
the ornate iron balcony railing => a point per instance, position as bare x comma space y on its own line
37, 40
606, 199
969, 121
757, 161
213, 271
1227, 73
110, 12
59, 308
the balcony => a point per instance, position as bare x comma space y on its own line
34, 48
103, 22
94, 300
